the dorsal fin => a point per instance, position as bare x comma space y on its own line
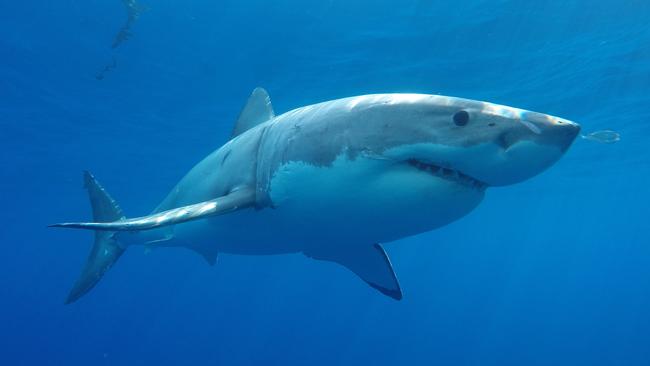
258, 109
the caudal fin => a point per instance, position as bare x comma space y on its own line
106, 250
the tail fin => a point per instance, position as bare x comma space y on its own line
106, 250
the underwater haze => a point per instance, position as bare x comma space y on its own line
551, 271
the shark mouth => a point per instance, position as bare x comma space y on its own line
448, 174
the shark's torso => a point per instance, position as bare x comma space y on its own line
311, 172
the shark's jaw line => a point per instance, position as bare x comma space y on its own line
447, 174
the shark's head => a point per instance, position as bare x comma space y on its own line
487, 143
386, 166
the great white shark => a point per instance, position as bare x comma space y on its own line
335, 181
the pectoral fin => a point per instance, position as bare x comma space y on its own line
368, 262
233, 201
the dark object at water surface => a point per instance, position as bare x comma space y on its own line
133, 10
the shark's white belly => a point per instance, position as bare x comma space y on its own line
347, 203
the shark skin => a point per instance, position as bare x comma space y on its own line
336, 179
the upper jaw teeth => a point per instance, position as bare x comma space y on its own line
447, 173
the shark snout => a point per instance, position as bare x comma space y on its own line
552, 130
561, 133
531, 146
567, 132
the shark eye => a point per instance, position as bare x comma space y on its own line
461, 118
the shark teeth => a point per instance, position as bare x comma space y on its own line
448, 174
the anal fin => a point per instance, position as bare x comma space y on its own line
368, 262
209, 254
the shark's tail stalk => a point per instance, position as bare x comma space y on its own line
106, 249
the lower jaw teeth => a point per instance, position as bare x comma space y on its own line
446, 173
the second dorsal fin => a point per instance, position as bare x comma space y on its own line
258, 109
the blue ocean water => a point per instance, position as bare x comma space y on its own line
553, 271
